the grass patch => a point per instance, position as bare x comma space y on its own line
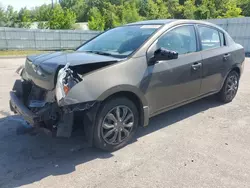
21, 52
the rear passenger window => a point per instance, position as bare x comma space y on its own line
210, 38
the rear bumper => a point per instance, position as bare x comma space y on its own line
17, 106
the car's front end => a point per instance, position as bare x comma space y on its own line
36, 104
40, 95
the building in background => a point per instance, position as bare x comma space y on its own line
76, 26
81, 26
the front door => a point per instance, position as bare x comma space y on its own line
178, 80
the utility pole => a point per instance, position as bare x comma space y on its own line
52, 4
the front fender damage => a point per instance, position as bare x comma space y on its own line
66, 80
87, 113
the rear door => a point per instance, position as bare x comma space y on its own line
216, 58
175, 81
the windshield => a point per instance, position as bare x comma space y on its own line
120, 41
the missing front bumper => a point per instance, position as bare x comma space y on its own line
17, 106
62, 129
58, 120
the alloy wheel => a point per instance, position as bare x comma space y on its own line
232, 87
117, 125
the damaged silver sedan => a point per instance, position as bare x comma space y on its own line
121, 78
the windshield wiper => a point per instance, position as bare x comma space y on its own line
100, 53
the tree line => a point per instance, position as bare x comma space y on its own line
106, 14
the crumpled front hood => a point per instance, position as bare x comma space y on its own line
74, 58
42, 69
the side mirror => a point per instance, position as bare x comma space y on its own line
163, 54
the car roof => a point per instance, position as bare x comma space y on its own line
168, 21
153, 22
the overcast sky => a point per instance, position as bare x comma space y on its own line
18, 4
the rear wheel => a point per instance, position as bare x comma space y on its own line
230, 87
116, 124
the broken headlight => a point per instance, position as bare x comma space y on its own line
65, 81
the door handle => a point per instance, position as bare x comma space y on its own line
196, 66
226, 56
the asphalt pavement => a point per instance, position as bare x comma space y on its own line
203, 144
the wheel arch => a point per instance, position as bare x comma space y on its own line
133, 94
236, 68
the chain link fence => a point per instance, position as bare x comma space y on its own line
15, 38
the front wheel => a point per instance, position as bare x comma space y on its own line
116, 124
230, 87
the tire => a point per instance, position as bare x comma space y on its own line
112, 132
230, 87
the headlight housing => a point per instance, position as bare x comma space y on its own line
65, 81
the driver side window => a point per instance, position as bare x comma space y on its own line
181, 39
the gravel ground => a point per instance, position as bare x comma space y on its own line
203, 144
